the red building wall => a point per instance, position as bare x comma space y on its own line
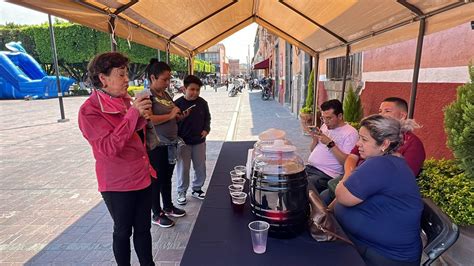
448, 48
430, 101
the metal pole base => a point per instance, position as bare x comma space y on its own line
63, 120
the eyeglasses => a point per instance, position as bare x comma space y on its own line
325, 119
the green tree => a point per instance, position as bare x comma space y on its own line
459, 125
353, 111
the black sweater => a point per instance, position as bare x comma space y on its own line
199, 119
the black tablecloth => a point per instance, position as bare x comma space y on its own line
221, 236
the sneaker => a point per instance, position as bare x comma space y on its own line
198, 194
181, 200
174, 212
162, 220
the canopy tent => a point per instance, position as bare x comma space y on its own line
262, 65
315, 26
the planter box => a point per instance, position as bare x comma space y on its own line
306, 120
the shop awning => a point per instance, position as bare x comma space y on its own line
262, 65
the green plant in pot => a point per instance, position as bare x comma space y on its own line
353, 111
306, 112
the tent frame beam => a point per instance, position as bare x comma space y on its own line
195, 51
204, 19
113, 44
99, 10
312, 52
313, 21
398, 25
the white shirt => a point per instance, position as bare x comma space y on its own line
322, 158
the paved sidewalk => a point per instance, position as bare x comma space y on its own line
50, 210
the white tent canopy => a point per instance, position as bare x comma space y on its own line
315, 26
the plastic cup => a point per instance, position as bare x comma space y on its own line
241, 169
238, 181
259, 234
238, 201
238, 197
235, 188
235, 174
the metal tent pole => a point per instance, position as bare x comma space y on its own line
315, 88
168, 53
416, 70
56, 68
344, 75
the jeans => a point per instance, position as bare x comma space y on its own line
373, 258
196, 154
162, 185
130, 210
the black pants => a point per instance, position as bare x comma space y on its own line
130, 209
318, 178
162, 185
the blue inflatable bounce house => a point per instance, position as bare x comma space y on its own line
21, 76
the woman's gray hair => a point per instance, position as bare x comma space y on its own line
383, 127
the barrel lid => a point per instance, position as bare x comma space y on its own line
278, 146
272, 134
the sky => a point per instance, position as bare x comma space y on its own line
237, 45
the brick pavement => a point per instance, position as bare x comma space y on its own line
50, 210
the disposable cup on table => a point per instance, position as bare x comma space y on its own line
241, 169
236, 174
238, 181
238, 200
259, 234
235, 188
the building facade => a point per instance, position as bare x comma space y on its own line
217, 56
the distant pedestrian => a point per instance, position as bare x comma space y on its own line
109, 122
193, 130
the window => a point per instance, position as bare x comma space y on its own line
335, 67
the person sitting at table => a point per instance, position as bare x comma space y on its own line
330, 146
379, 205
412, 148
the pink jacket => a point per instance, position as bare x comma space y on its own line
110, 125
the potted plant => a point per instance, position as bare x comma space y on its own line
306, 112
353, 111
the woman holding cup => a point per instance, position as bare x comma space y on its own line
109, 121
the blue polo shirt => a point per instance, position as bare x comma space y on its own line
388, 219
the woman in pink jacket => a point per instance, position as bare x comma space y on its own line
109, 121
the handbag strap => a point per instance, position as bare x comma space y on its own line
334, 234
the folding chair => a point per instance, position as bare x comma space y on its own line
440, 232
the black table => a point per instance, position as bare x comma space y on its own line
221, 236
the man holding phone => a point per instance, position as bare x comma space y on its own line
331, 145
193, 130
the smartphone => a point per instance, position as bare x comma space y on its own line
189, 108
315, 129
